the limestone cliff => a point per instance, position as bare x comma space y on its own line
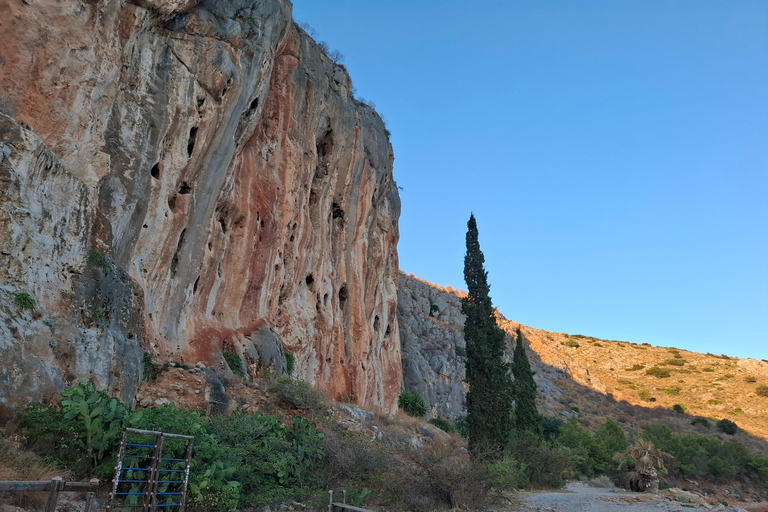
231, 193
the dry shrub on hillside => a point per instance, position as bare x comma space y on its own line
351, 460
20, 465
11, 414
435, 478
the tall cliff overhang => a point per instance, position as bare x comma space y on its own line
212, 152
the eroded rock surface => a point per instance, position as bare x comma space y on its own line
239, 199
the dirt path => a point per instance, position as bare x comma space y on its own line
580, 498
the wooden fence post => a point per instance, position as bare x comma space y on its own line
56, 484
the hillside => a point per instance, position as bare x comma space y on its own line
580, 376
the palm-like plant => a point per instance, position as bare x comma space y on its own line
643, 462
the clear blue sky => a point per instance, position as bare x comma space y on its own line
614, 153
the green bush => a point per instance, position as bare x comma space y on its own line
700, 421
84, 433
750, 379
675, 362
592, 454
24, 301
673, 390
150, 371
290, 363
710, 457
98, 259
235, 363
727, 426
571, 343
550, 427
644, 394
762, 390
442, 424
635, 367
238, 460
299, 394
542, 464
658, 372
96, 315
412, 404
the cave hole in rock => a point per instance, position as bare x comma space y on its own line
338, 213
194, 287
343, 293
226, 87
388, 331
324, 148
175, 260
223, 224
184, 188
292, 238
309, 280
252, 107
191, 141
376, 325
172, 202
155, 172
200, 102
261, 223
325, 299
210, 246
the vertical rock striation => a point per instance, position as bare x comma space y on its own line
213, 152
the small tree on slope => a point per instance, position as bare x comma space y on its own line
527, 417
489, 399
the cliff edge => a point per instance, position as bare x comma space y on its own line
189, 179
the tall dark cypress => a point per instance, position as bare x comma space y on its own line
527, 417
489, 399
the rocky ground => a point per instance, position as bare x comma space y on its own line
582, 498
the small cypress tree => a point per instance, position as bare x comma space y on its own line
489, 399
527, 417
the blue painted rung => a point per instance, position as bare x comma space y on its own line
133, 481
167, 481
135, 469
172, 470
168, 493
181, 460
129, 493
168, 505
140, 445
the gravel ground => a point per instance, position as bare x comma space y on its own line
579, 498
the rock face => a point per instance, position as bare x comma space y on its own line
237, 198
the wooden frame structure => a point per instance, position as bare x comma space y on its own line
140, 467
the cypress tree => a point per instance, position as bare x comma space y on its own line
489, 399
527, 417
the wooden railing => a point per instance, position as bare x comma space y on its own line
54, 487
343, 505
